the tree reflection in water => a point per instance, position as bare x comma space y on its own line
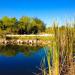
12, 50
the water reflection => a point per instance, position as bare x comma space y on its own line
12, 50
20, 60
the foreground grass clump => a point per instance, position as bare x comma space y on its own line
61, 51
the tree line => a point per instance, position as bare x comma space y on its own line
25, 25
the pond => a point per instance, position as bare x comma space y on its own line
20, 60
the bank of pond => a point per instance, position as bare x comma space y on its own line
34, 42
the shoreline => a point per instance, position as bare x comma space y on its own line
24, 42
43, 39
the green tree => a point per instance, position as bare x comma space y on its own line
23, 23
39, 25
6, 21
14, 25
1, 23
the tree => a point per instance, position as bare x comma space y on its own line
23, 23
39, 24
1, 23
6, 21
30, 27
14, 24
21, 28
13, 21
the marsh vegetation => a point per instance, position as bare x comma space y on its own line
61, 54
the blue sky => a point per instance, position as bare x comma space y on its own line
47, 10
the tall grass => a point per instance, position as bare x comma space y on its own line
61, 49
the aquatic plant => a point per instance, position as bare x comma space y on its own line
61, 49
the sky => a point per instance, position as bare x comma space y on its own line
46, 10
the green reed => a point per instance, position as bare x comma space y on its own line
62, 50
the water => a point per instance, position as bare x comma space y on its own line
18, 61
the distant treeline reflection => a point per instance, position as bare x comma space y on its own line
12, 50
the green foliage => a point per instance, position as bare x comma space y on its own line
25, 25
12, 50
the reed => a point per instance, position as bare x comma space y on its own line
56, 50
62, 50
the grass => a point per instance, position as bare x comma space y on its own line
61, 50
44, 38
